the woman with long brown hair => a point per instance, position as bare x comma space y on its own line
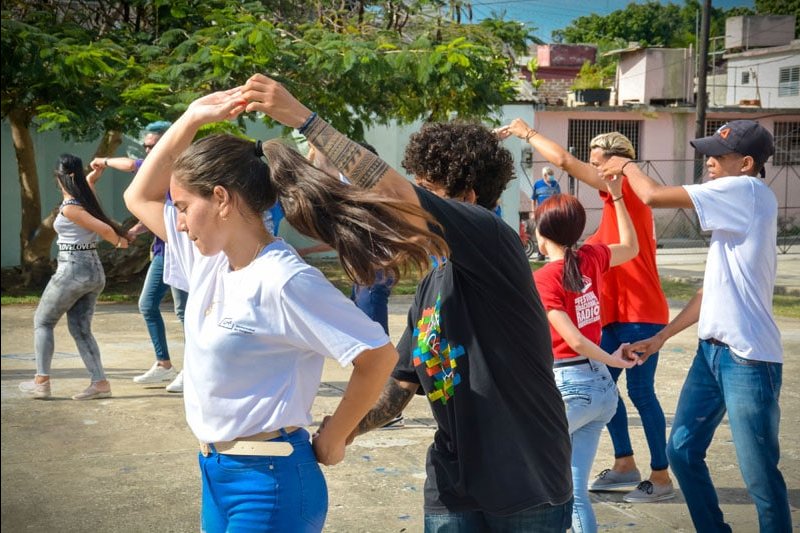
259, 321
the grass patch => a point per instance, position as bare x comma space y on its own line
127, 291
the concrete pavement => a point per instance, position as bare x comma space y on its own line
128, 463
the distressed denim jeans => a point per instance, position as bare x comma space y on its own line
720, 381
73, 289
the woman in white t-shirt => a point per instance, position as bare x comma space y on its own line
259, 321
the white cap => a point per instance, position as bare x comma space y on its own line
547, 171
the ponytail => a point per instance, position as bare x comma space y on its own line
561, 218
369, 231
572, 279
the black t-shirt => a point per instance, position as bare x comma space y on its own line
478, 343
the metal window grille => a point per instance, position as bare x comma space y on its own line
787, 143
713, 125
745, 77
789, 81
581, 132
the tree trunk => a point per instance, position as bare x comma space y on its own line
37, 234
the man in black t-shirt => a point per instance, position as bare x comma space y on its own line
477, 344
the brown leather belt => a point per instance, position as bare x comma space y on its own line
258, 444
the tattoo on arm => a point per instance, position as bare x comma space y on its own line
393, 400
362, 167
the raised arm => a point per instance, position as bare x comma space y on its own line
146, 194
125, 164
362, 167
628, 246
649, 190
553, 152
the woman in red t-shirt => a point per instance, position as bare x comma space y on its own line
569, 287
633, 308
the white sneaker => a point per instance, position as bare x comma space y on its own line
177, 383
157, 374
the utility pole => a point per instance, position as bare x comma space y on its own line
702, 98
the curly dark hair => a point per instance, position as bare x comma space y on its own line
460, 156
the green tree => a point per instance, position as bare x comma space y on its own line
649, 24
99, 68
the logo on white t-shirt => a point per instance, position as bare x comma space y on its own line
228, 323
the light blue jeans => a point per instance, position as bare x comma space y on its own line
641, 380
542, 519
153, 292
590, 396
720, 381
73, 289
249, 494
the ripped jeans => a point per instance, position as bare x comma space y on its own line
73, 289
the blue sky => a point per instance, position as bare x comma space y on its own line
549, 15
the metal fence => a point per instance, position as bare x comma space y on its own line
679, 228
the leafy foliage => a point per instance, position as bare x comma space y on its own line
649, 24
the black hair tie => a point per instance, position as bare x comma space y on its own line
259, 149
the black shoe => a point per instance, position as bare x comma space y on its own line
395, 423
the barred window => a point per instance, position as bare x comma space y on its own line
745, 77
581, 132
713, 125
787, 143
789, 81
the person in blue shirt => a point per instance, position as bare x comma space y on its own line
542, 190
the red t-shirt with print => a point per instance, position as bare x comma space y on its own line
583, 308
631, 291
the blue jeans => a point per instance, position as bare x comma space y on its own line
544, 519
720, 381
73, 289
642, 392
590, 396
374, 299
249, 493
153, 292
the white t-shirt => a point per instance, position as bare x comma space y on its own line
741, 212
256, 338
